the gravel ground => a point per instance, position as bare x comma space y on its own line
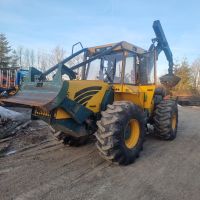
36, 166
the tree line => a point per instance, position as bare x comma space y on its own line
41, 59
190, 77
24, 58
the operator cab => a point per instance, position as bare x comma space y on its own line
121, 63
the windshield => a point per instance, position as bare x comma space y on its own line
107, 68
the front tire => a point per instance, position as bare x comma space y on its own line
166, 119
121, 132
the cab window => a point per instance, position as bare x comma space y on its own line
129, 72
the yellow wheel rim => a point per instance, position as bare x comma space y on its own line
174, 121
132, 133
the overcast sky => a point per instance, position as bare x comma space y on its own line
43, 24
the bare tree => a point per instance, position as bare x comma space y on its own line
20, 52
32, 58
27, 58
196, 74
57, 55
14, 60
43, 61
38, 58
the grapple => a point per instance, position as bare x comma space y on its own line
169, 80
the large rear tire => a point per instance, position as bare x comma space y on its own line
121, 132
166, 119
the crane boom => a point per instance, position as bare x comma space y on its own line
169, 80
163, 44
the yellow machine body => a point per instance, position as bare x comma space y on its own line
140, 95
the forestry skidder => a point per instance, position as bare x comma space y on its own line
110, 92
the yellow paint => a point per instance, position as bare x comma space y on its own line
95, 102
174, 121
140, 95
61, 114
133, 138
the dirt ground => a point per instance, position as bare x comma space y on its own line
36, 166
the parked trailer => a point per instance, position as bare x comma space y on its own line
8, 78
11, 78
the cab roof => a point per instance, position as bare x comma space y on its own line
122, 46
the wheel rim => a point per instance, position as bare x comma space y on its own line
174, 121
132, 133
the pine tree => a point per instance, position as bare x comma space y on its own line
5, 49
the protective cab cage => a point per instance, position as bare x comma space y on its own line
143, 62
135, 65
